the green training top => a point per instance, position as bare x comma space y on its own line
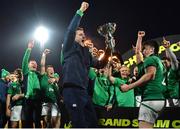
153, 90
33, 85
50, 91
123, 99
103, 90
137, 90
172, 87
15, 88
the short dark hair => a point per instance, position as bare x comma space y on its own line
31, 60
49, 66
80, 28
153, 44
18, 72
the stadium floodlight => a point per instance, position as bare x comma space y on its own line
41, 35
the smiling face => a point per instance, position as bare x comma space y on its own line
125, 72
135, 71
19, 74
13, 77
32, 65
50, 71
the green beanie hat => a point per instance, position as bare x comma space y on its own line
4, 73
56, 75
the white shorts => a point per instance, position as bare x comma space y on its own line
150, 110
16, 113
50, 108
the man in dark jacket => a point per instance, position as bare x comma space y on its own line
77, 61
3, 94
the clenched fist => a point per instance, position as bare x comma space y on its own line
31, 44
141, 33
84, 6
166, 43
125, 88
46, 51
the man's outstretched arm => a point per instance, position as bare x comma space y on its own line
70, 34
43, 61
26, 57
170, 54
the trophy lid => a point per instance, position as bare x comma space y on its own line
107, 28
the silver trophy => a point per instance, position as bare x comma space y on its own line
107, 31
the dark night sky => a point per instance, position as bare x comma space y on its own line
19, 18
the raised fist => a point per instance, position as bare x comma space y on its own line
46, 51
31, 44
166, 43
141, 33
84, 6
